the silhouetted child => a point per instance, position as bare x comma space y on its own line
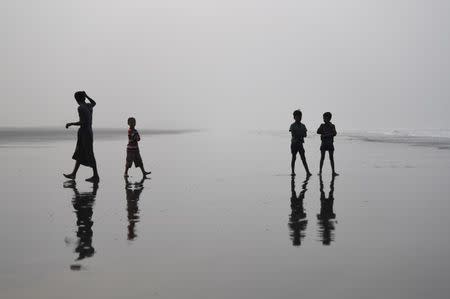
133, 154
327, 132
298, 132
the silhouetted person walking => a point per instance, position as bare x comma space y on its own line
298, 132
133, 192
84, 151
327, 132
83, 203
325, 223
297, 219
133, 153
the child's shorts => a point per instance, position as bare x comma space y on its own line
297, 147
134, 157
327, 147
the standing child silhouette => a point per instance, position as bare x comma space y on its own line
298, 132
327, 132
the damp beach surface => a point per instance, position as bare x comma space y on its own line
220, 217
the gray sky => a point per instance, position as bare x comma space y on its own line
231, 63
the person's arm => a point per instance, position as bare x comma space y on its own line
78, 123
304, 132
320, 130
331, 132
292, 131
93, 103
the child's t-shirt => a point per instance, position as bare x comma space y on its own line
298, 132
327, 132
133, 138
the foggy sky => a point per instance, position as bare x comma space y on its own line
379, 64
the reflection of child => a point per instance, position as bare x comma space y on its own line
133, 154
325, 223
133, 192
327, 132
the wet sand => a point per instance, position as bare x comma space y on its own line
221, 218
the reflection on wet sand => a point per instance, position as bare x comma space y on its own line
326, 222
297, 220
83, 203
133, 192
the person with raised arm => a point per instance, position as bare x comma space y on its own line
84, 150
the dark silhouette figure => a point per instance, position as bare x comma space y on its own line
133, 153
298, 133
327, 133
84, 151
83, 203
326, 216
133, 192
297, 219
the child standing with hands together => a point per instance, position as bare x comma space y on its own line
327, 132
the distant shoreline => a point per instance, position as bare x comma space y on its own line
15, 135
20, 135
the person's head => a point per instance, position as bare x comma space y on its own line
327, 117
297, 115
131, 122
80, 96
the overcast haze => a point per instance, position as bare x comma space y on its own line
237, 63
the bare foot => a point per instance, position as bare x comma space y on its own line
70, 176
94, 179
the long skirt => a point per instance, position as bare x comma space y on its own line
84, 151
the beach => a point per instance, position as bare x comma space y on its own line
217, 218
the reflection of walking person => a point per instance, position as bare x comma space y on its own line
326, 216
297, 219
84, 151
83, 203
133, 192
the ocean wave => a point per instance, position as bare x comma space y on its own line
441, 133
432, 138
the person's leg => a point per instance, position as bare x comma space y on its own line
305, 164
95, 178
126, 170
144, 173
331, 153
294, 157
322, 157
74, 172
128, 163
94, 169
139, 163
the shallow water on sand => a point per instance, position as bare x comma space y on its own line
221, 218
